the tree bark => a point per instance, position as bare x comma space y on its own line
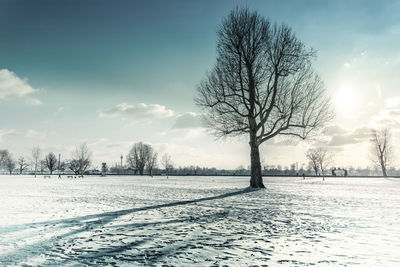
383, 168
256, 180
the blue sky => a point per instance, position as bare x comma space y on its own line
112, 73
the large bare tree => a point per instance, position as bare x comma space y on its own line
36, 156
382, 151
262, 85
51, 162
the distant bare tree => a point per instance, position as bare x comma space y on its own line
312, 156
42, 166
81, 159
262, 85
4, 154
22, 164
74, 166
51, 162
36, 156
166, 163
319, 159
62, 166
104, 169
152, 162
382, 151
325, 159
140, 156
10, 163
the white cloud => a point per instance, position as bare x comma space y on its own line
13, 86
36, 134
137, 112
4, 133
95, 141
340, 136
34, 101
389, 116
188, 120
393, 102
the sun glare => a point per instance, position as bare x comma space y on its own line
346, 101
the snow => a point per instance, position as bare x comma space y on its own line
198, 221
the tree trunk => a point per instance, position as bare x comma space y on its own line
256, 180
384, 170
383, 166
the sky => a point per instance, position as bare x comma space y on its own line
113, 73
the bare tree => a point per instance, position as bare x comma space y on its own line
62, 166
22, 164
382, 151
325, 160
312, 156
51, 162
262, 85
4, 154
42, 166
139, 157
10, 163
152, 162
36, 156
104, 169
74, 166
166, 163
81, 159
320, 159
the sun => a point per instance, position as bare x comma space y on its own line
346, 101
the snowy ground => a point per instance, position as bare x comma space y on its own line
198, 221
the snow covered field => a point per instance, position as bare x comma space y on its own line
198, 221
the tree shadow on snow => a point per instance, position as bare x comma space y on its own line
89, 222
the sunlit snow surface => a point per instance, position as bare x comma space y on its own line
198, 221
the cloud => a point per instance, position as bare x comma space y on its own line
94, 141
340, 136
4, 133
341, 140
389, 116
335, 130
34, 101
39, 135
188, 120
137, 112
13, 86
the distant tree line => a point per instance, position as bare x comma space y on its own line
78, 164
142, 159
